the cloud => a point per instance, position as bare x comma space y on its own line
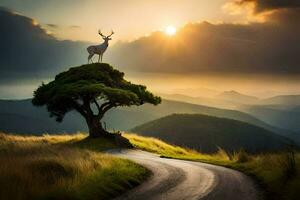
261, 6
259, 9
266, 48
55, 26
28, 51
272, 47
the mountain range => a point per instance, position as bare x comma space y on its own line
20, 116
207, 134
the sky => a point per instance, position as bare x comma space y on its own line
251, 46
130, 19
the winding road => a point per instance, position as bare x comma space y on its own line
177, 180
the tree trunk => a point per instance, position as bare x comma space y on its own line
95, 128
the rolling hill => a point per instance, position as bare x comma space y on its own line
275, 115
207, 133
237, 97
205, 101
282, 99
121, 118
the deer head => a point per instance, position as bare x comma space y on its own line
106, 38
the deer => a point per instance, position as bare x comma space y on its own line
99, 49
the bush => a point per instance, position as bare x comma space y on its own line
288, 163
241, 156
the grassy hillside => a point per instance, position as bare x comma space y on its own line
62, 167
278, 173
207, 134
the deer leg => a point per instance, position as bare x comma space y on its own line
89, 58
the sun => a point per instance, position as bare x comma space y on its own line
170, 30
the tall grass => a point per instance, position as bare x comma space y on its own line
48, 167
167, 150
53, 167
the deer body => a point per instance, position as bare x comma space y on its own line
99, 49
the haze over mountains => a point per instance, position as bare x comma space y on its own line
19, 116
121, 118
281, 111
232, 99
227, 99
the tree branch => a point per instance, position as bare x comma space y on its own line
87, 106
104, 105
107, 108
97, 105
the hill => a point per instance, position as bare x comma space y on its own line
282, 99
170, 107
121, 118
200, 100
237, 97
284, 118
20, 116
207, 133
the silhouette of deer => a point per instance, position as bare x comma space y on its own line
99, 49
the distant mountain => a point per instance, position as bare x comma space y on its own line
10, 122
281, 116
237, 97
20, 116
170, 107
282, 99
207, 133
120, 118
206, 101
195, 92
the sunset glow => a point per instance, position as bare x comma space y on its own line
170, 30
191, 40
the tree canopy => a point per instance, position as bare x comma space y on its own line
80, 87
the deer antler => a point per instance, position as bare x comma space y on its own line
112, 32
99, 31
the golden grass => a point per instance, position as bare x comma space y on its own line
164, 149
46, 138
53, 166
48, 167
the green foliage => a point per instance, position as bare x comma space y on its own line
81, 86
240, 156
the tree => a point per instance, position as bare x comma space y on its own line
91, 90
